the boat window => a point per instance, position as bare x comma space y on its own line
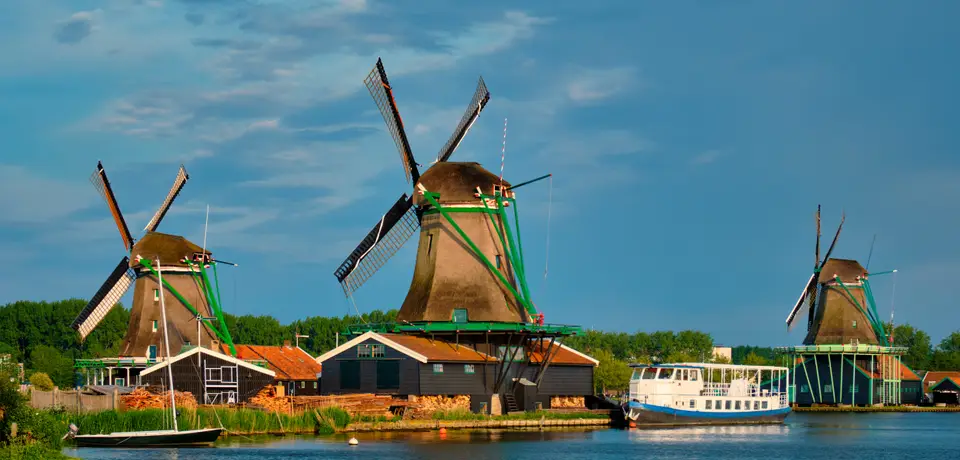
693, 403
709, 404
694, 374
738, 405
718, 405
649, 373
746, 405
764, 404
756, 405
728, 404
665, 374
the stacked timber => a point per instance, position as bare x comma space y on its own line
365, 404
143, 399
268, 399
427, 405
567, 402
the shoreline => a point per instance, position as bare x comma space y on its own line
834, 409
428, 425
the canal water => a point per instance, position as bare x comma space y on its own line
930, 436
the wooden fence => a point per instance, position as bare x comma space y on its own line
74, 400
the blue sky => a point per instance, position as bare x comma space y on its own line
690, 143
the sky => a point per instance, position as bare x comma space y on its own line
690, 144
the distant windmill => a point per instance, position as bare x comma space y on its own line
840, 307
189, 290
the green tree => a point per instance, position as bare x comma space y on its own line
919, 351
611, 374
754, 359
50, 361
947, 355
41, 381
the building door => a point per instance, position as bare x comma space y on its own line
388, 375
291, 386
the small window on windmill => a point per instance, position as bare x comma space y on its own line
429, 243
155, 322
854, 323
459, 315
156, 295
499, 262
497, 189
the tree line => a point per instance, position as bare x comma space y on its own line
39, 335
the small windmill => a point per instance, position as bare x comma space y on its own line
186, 283
468, 269
839, 301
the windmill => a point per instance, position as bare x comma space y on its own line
839, 301
186, 284
465, 267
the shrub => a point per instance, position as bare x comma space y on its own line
41, 381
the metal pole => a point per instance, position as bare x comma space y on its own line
166, 344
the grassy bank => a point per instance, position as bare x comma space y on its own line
876, 409
235, 421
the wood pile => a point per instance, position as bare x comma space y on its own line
143, 399
564, 402
427, 405
268, 399
354, 404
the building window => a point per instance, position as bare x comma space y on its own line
804, 389
709, 404
468, 369
378, 351
364, 351
303, 384
459, 315
152, 352
438, 368
853, 388
156, 295
828, 388
314, 385
155, 324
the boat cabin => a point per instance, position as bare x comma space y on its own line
708, 387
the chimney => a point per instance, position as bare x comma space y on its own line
286, 344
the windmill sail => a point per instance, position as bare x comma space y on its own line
382, 94
102, 184
811, 284
178, 184
106, 297
480, 98
381, 243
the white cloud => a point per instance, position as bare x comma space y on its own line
27, 198
706, 157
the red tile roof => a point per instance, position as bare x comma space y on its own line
565, 355
905, 372
438, 350
934, 377
290, 363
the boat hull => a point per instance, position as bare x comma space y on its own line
204, 437
651, 415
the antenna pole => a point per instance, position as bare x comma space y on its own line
205, 223
503, 151
870, 254
166, 344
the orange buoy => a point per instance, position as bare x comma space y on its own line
443, 430
633, 424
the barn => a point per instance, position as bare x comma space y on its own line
410, 365
942, 387
297, 371
212, 377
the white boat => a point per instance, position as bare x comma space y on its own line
706, 394
156, 438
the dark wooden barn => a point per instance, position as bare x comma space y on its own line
212, 377
942, 387
408, 365
835, 379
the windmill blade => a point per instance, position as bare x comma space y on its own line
803, 295
102, 184
105, 299
178, 184
383, 241
382, 94
479, 101
834, 243
816, 262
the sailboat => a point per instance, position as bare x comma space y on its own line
154, 438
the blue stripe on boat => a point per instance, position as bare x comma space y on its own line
705, 414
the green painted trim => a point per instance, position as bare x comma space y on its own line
857, 368
513, 254
833, 386
516, 218
853, 381
806, 375
166, 284
873, 307
871, 379
218, 312
429, 327
857, 303
816, 366
934, 386
456, 209
430, 197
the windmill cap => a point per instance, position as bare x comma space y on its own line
848, 270
458, 181
170, 249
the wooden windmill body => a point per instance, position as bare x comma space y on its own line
186, 289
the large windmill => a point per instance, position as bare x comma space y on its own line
839, 301
464, 267
188, 289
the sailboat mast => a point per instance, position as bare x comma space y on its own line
166, 344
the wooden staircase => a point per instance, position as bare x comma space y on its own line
510, 403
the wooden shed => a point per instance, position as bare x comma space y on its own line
212, 377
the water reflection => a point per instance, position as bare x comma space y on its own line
699, 434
